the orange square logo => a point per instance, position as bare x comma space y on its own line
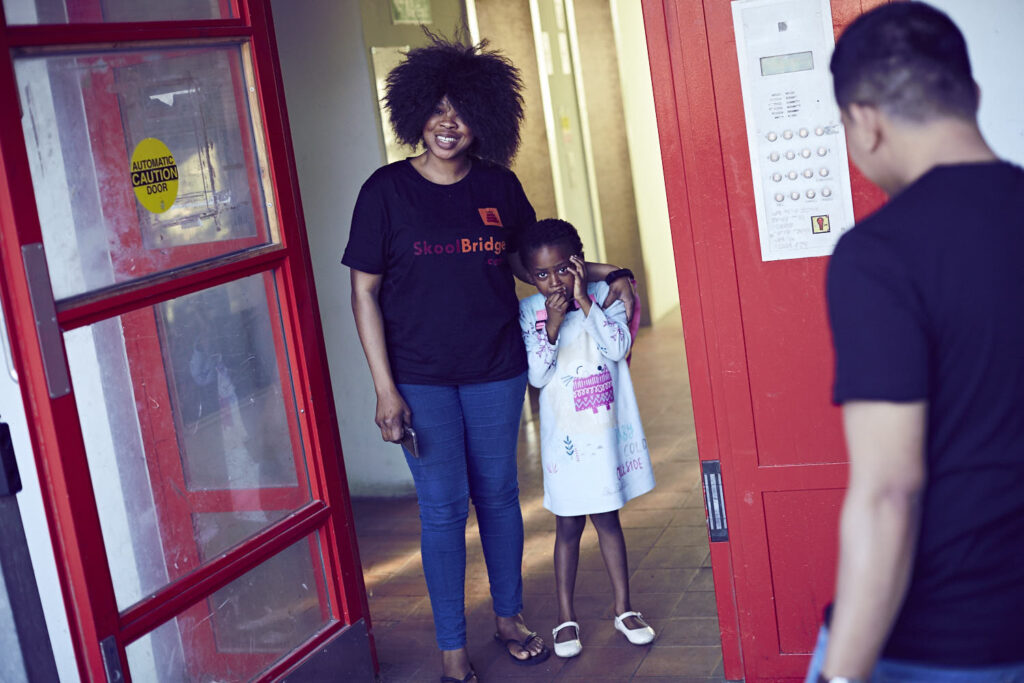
490, 217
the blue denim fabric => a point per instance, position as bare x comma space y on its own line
467, 441
893, 671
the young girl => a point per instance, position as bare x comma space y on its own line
592, 444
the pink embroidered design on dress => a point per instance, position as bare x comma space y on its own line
594, 391
616, 332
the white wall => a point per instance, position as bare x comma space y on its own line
992, 29
645, 157
332, 110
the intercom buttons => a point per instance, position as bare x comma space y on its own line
822, 151
811, 194
787, 134
774, 156
791, 155
794, 195
823, 172
804, 132
779, 196
792, 175
819, 131
777, 177
805, 153
808, 173
826, 192
772, 136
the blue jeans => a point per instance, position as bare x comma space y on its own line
467, 441
895, 671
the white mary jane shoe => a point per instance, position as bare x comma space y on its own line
569, 648
637, 636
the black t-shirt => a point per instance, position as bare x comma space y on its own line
926, 300
447, 296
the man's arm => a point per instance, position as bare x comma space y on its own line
878, 530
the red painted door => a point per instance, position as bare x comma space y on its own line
758, 351
164, 321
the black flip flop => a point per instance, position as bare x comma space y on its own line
467, 679
533, 659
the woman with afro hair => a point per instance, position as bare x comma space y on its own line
432, 252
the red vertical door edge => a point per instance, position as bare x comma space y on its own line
758, 350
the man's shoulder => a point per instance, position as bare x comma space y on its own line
946, 193
930, 210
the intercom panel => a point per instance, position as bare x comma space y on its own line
798, 155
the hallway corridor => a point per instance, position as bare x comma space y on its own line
668, 557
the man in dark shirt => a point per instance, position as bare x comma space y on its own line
926, 302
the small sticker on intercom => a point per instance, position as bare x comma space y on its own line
783, 26
819, 225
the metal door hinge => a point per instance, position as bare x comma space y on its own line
714, 499
51, 346
111, 660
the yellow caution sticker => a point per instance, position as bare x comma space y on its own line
154, 175
819, 224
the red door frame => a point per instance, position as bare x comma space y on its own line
57, 442
175, 499
711, 206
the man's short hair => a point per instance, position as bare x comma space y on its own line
909, 60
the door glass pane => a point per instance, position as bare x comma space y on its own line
242, 628
191, 429
94, 11
142, 161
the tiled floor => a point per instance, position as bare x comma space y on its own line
668, 555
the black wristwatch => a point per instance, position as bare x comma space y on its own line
616, 274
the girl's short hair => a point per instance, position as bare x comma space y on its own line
483, 85
549, 232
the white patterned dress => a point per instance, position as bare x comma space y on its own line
593, 448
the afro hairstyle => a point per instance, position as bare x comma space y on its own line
549, 232
483, 86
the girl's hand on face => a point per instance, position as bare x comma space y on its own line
557, 304
579, 271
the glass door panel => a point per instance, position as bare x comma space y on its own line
191, 429
78, 11
142, 161
188, 448
243, 628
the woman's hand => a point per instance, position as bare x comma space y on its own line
623, 289
393, 415
392, 412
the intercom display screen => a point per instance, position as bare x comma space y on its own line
784, 64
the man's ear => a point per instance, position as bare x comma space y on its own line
868, 125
